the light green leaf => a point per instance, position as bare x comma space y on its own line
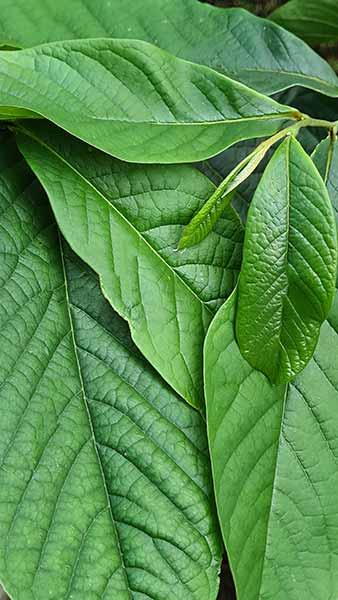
135, 101
275, 466
125, 222
203, 222
287, 280
315, 21
104, 484
252, 50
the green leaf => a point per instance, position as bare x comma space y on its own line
314, 21
203, 222
325, 157
135, 101
105, 488
275, 466
252, 50
125, 222
288, 275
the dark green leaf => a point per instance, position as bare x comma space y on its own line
252, 50
105, 488
315, 21
288, 275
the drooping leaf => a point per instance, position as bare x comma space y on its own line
125, 221
135, 101
275, 466
287, 280
104, 480
252, 50
314, 21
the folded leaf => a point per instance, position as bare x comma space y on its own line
252, 50
125, 222
287, 280
275, 466
104, 480
135, 101
313, 21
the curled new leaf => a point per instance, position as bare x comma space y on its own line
202, 223
287, 280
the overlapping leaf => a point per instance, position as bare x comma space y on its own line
287, 280
313, 21
252, 50
104, 481
125, 221
275, 467
274, 457
135, 101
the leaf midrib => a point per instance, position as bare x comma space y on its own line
89, 419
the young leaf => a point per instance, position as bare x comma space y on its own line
287, 280
104, 482
125, 222
254, 51
275, 466
202, 223
313, 21
135, 101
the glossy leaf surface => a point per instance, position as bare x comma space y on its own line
313, 21
275, 466
287, 280
135, 101
125, 221
104, 481
247, 48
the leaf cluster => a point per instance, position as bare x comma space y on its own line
168, 302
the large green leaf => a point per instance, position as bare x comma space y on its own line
312, 20
275, 466
287, 280
252, 50
135, 101
275, 460
125, 221
104, 484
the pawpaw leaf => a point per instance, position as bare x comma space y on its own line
287, 281
134, 100
275, 466
315, 22
104, 483
254, 51
125, 222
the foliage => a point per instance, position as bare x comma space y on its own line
168, 300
